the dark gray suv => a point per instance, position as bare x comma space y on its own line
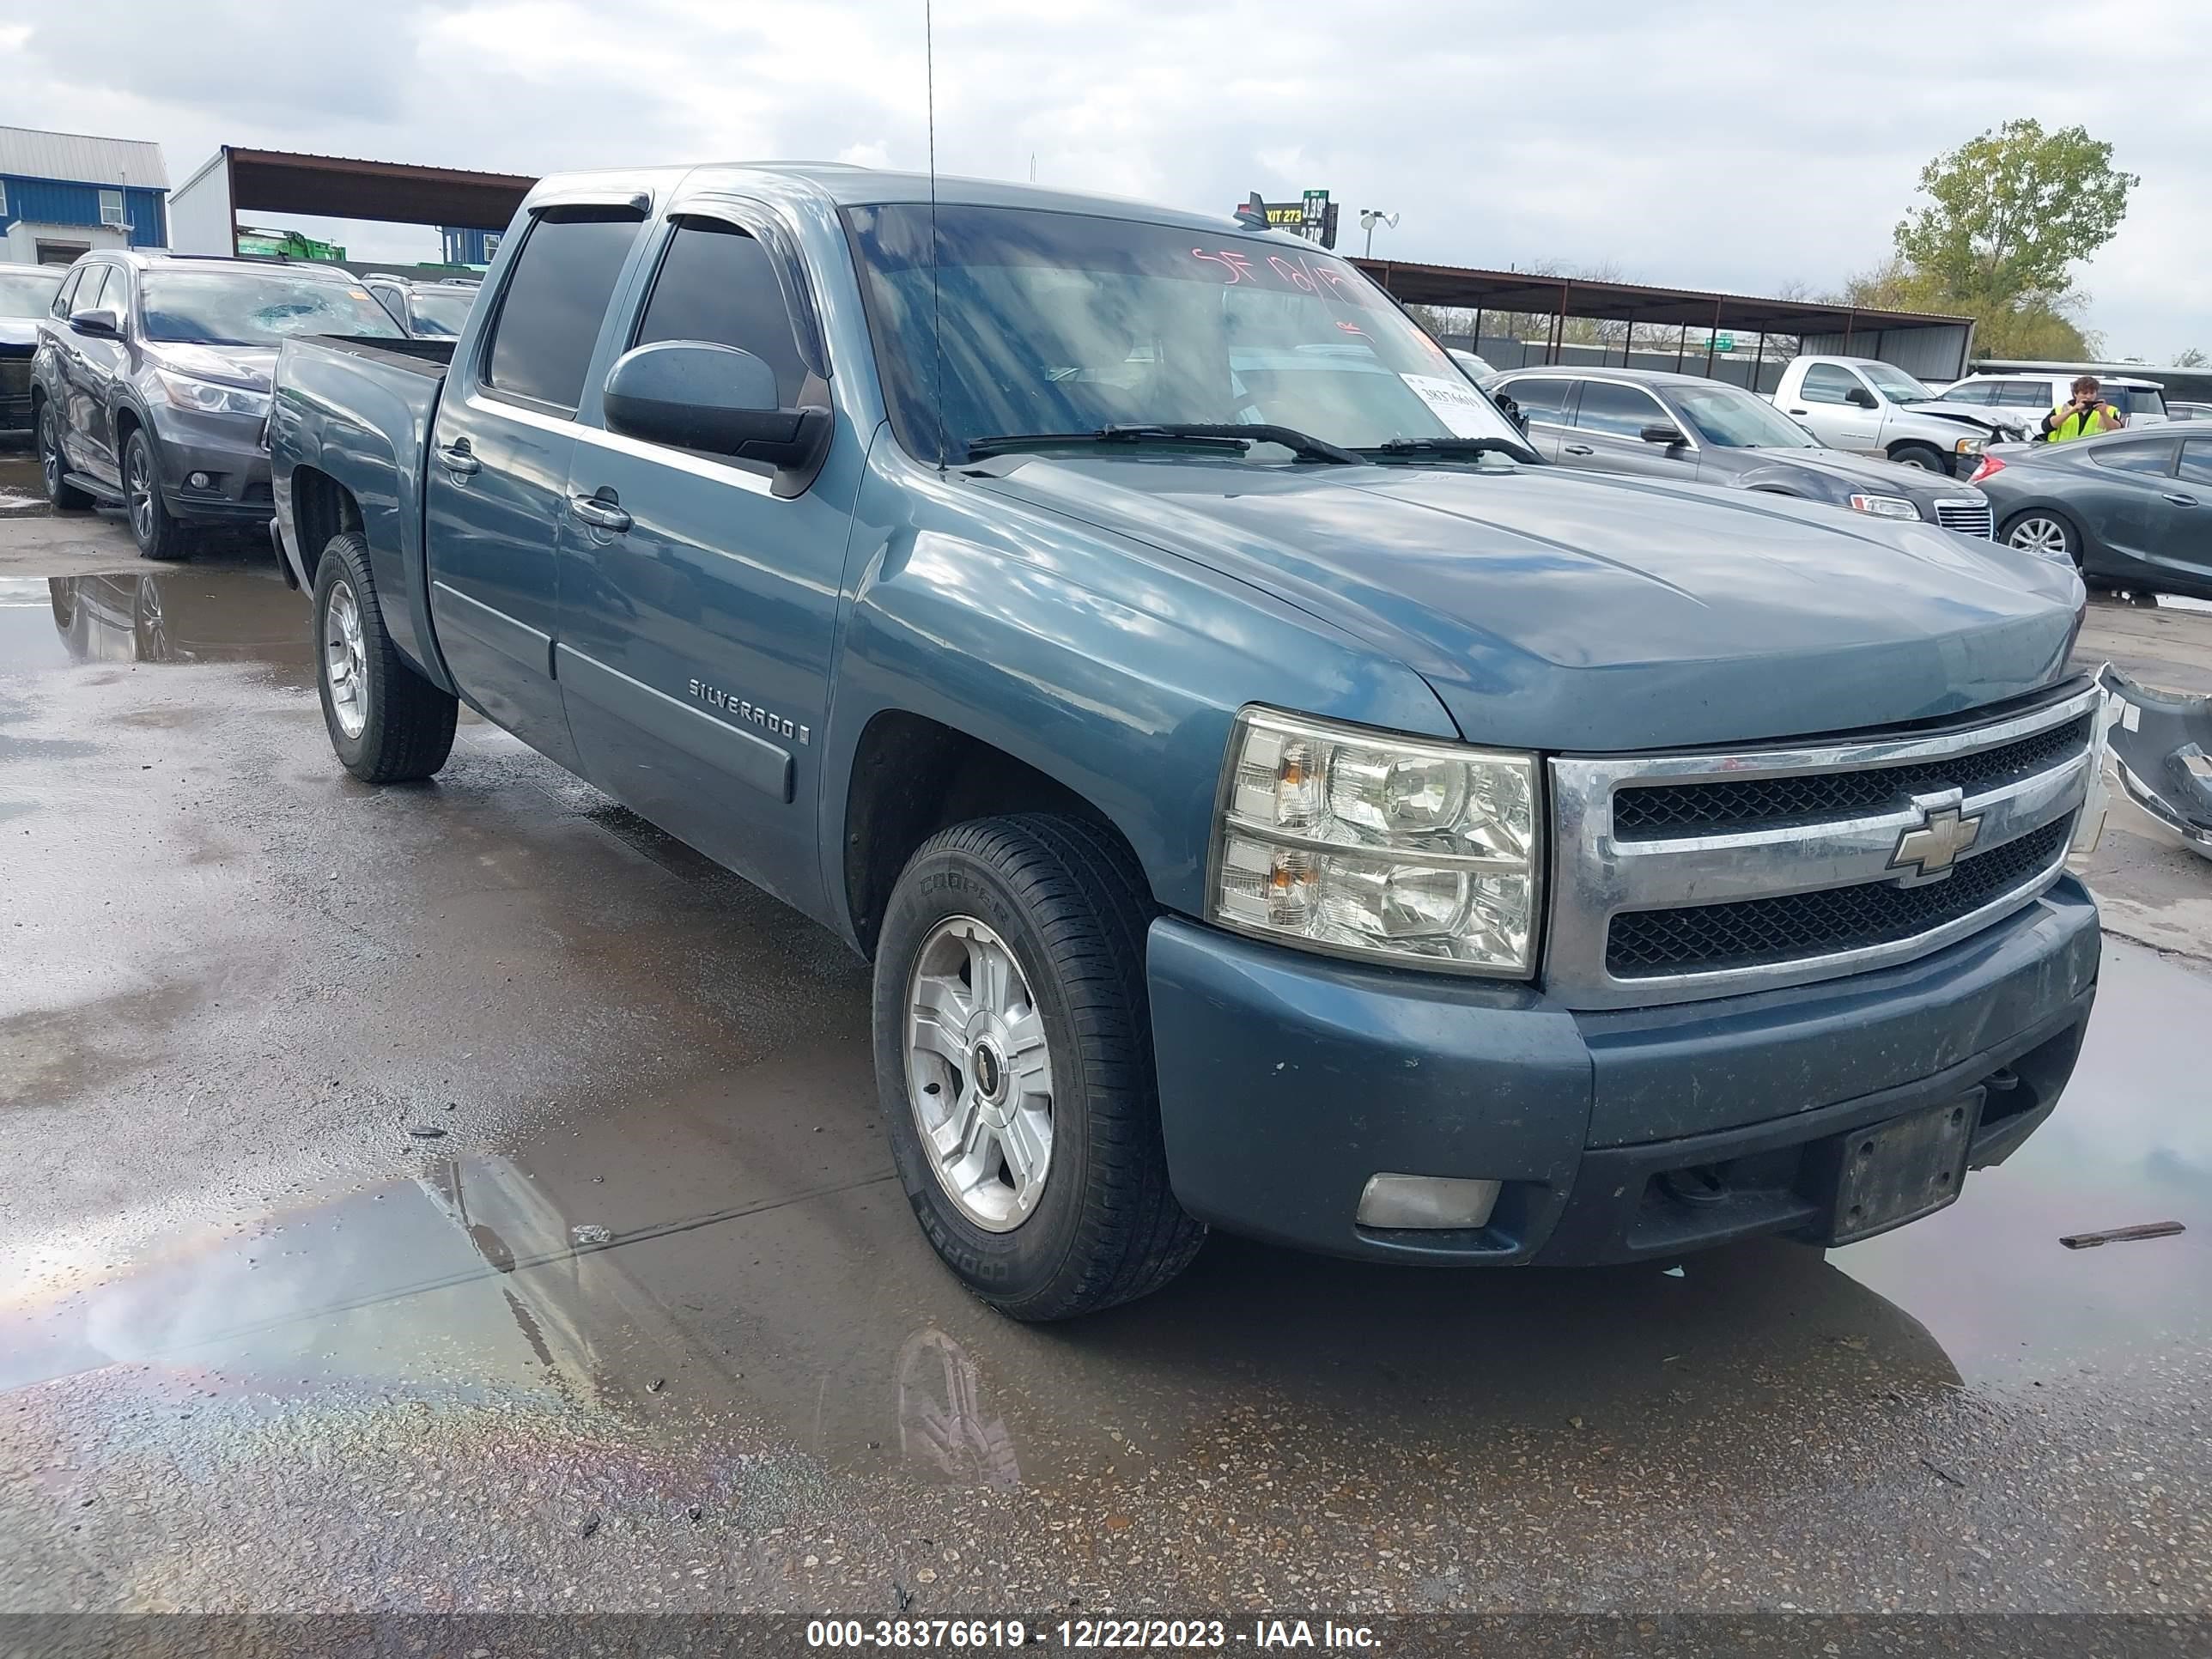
1658, 425
150, 383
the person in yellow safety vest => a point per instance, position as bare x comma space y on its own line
2083, 415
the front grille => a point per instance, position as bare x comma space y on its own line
1663, 812
1967, 518
1751, 932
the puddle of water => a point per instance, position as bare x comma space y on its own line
2130, 1142
757, 1254
191, 613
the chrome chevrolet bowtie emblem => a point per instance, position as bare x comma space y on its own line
1929, 849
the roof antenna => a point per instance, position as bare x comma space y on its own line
936, 313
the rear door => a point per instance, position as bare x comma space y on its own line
1544, 400
699, 592
1607, 434
496, 490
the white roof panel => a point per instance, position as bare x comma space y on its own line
28, 153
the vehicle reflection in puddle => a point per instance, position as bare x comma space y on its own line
759, 1258
215, 612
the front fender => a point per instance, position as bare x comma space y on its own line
1106, 664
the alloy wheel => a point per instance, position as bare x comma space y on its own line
345, 659
979, 1073
2039, 535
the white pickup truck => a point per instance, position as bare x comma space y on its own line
1875, 408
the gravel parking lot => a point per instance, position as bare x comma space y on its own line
464, 1196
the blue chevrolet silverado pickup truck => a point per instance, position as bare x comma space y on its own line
1271, 797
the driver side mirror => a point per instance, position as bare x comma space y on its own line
96, 325
1660, 432
1861, 395
716, 398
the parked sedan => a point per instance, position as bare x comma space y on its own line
2132, 508
1683, 426
427, 311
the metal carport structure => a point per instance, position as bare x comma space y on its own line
204, 209
1931, 346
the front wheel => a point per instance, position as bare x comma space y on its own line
153, 526
1014, 1061
1918, 456
388, 724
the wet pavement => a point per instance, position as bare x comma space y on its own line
464, 1196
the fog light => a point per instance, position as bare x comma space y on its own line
198, 481
1429, 1202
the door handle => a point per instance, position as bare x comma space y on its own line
456, 458
599, 513
2179, 499
1576, 449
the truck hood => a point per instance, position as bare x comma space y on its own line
1968, 417
1553, 609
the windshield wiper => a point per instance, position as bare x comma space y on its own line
1452, 447
1207, 435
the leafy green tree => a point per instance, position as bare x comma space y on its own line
2008, 211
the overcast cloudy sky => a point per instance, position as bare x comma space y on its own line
1704, 142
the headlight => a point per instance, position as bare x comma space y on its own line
1885, 507
207, 397
1362, 844
1968, 445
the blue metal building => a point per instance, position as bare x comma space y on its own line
466, 246
65, 193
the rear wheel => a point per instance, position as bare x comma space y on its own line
153, 527
1014, 1056
2040, 531
64, 497
1918, 455
387, 723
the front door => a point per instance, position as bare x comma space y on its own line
89, 368
2185, 545
1824, 403
700, 593
499, 453
1607, 434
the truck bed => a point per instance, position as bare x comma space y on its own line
431, 358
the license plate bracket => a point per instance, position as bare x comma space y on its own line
1887, 1174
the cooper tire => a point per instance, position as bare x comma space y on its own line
1066, 900
387, 723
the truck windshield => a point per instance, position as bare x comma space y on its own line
1895, 384
1731, 418
28, 294
440, 312
1069, 323
228, 308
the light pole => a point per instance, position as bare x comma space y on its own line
1371, 218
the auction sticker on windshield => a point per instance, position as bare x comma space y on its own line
1456, 403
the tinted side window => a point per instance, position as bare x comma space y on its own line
2135, 458
2028, 394
92, 293
2196, 460
1974, 392
1541, 397
718, 285
1618, 411
549, 315
65, 302
1828, 383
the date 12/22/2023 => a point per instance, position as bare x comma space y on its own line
1088, 1634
